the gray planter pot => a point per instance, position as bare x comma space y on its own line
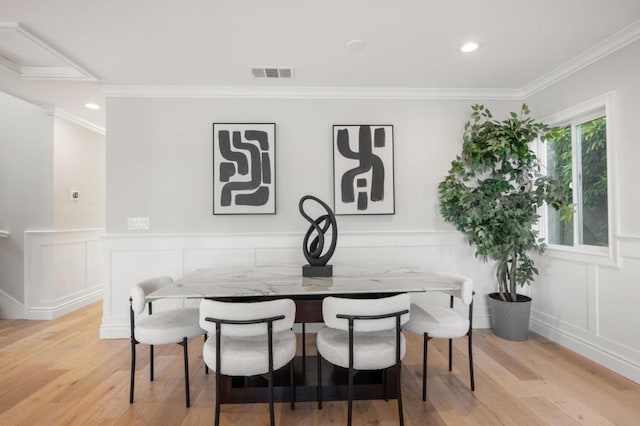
510, 320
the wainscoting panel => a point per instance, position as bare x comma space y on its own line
64, 271
592, 308
133, 258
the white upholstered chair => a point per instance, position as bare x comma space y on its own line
437, 321
249, 339
170, 326
363, 334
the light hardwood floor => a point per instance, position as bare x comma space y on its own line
60, 372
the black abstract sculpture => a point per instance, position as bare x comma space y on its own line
317, 266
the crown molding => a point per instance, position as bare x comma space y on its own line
72, 72
618, 40
613, 43
65, 115
262, 92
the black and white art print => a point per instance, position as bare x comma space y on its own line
363, 169
244, 168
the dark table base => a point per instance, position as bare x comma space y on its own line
367, 384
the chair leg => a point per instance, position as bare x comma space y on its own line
272, 420
319, 381
400, 412
292, 384
350, 401
450, 356
473, 385
424, 368
133, 370
206, 367
151, 362
218, 384
186, 371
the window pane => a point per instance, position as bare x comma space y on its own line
592, 137
559, 166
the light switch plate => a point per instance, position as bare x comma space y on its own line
137, 223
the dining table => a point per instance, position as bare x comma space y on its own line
259, 283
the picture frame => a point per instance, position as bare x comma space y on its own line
244, 168
363, 169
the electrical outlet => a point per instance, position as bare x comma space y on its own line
137, 223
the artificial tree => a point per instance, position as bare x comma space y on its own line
494, 189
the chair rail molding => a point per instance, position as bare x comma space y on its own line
63, 271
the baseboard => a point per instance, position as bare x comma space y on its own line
49, 313
588, 349
10, 308
115, 327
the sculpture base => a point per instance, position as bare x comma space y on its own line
317, 271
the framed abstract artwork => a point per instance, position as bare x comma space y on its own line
363, 169
244, 161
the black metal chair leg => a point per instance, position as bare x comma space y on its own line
350, 402
450, 356
424, 368
186, 371
319, 381
292, 384
133, 371
218, 384
151, 362
400, 412
473, 384
206, 367
272, 420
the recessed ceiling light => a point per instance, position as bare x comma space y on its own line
91, 105
355, 45
469, 47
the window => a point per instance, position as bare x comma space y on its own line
577, 156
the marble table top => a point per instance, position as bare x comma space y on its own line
288, 281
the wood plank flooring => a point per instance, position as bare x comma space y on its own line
60, 373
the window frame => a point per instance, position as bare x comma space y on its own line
579, 114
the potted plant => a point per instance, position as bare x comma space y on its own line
492, 194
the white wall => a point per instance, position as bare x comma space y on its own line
159, 159
159, 165
41, 158
26, 170
591, 305
78, 165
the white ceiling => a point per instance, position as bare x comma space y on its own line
408, 43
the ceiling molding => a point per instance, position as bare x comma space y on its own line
258, 92
40, 71
606, 47
65, 115
613, 43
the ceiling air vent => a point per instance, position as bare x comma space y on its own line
272, 72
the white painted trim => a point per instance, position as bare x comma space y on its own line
65, 115
10, 308
629, 247
604, 256
4, 234
53, 312
251, 249
40, 283
264, 92
606, 47
592, 347
74, 72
